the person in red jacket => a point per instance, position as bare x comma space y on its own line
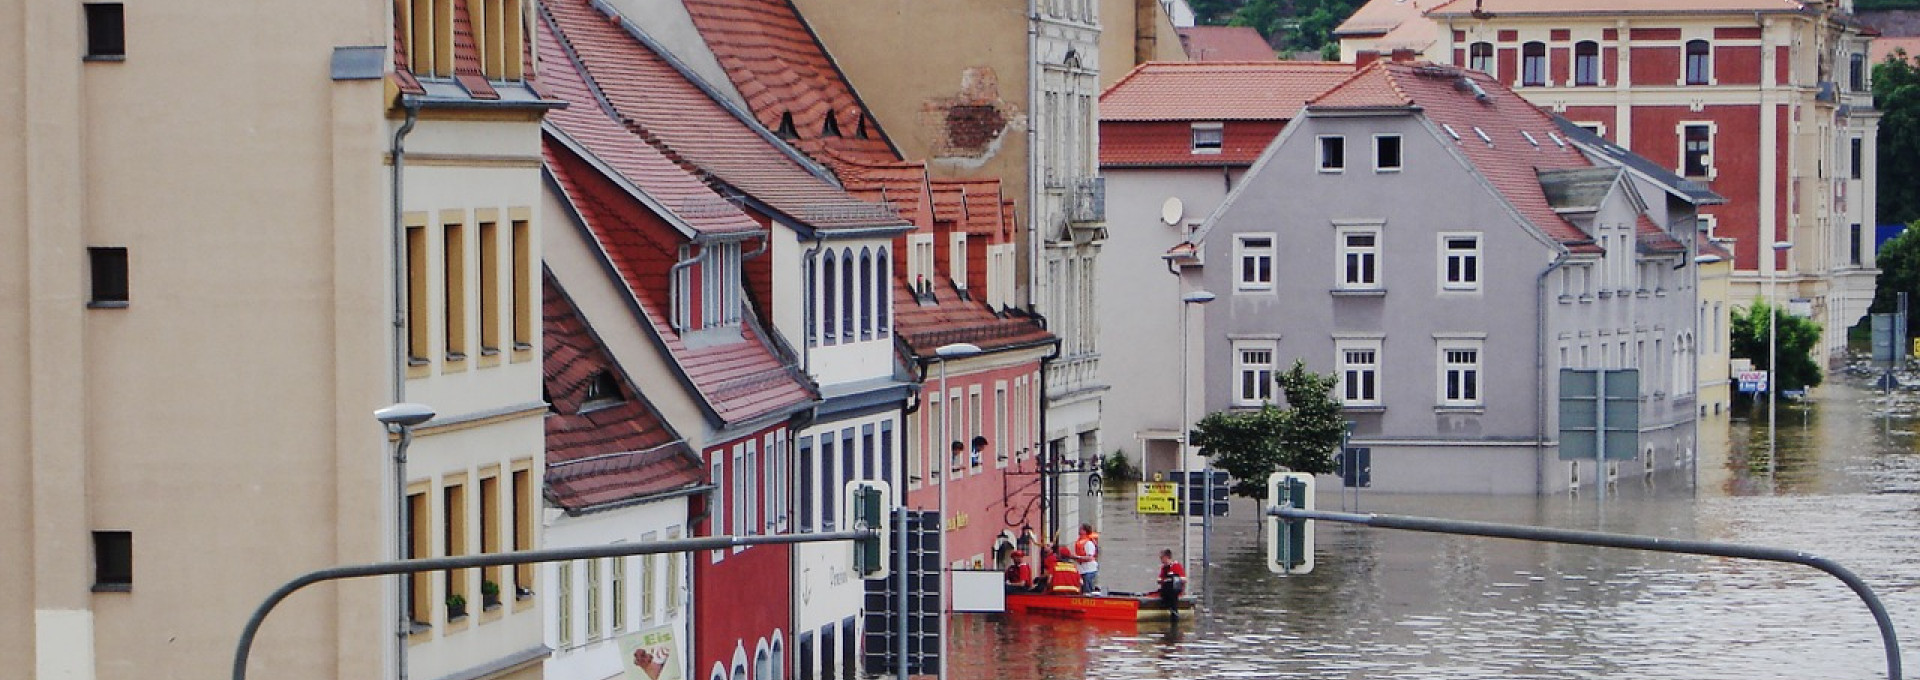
1173, 582
1019, 574
1066, 576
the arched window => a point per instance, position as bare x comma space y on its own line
848, 288
866, 294
1699, 67
779, 657
763, 663
1586, 63
1480, 57
828, 296
1533, 63
883, 302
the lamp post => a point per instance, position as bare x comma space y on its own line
1198, 297
944, 354
400, 419
1773, 343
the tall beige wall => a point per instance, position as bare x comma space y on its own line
1133, 32
223, 417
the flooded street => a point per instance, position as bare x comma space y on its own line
1844, 484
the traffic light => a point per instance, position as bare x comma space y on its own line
866, 507
1290, 542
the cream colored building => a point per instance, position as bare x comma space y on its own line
193, 265
201, 269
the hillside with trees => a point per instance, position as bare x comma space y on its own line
1288, 25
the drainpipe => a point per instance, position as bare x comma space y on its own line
398, 151
808, 259
683, 317
1034, 188
1049, 468
1540, 369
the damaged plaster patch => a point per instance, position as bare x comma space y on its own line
970, 127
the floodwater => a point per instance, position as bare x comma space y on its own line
1844, 483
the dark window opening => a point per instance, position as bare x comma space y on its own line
1856, 146
1586, 63
1698, 147
1697, 62
1857, 72
106, 31
1480, 57
112, 561
1533, 63
832, 127
1333, 153
861, 132
603, 390
109, 268
1855, 249
1386, 152
786, 129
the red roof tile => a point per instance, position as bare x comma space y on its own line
1170, 143
922, 328
737, 380
781, 68
1654, 239
1161, 90
1505, 156
1394, 24
1498, 7
1224, 43
601, 454
672, 186
654, 97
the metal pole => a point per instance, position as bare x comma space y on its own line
945, 455
1186, 426
901, 609
403, 618
1600, 436
1627, 541
252, 628
1773, 351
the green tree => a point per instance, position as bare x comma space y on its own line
1250, 445
1798, 338
1213, 12
1896, 93
1263, 15
1899, 261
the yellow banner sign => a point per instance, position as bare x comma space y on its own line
1158, 498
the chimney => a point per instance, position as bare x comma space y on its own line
1364, 57
1402, 54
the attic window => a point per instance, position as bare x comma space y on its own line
106, 31
1208, 138
832, 127
786, 129
862, 131
602, 391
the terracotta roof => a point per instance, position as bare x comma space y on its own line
1498, 7
672, 187
1881, 48
738, 380
1224, 43
468, 80
780, 67
1393, 24
1653, 239
1170, 143
1506, 157
1708, 247
1160, 90
922, 328
601, 454
670, 110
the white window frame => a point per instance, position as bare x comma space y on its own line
1320, 154
1713, 137
1470, 374
957, 259
1242, 367
1476, 256
1399, 163
1344, 369
919, 260
1241, 251
1712, 78
1371, 253
1208, 138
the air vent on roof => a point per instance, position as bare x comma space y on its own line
786, 130
1479, 94
1450, 132
1530, 139
832, 127
1483, 135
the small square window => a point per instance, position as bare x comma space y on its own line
106, 31
1333, 153
112, 561
1208, 138
1386, 153
109, 269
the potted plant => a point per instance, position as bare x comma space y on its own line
489, 595
456, 607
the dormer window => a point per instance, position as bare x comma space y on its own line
831, 128
602, 391
851, 297
707, 290
786, 129
1208, 138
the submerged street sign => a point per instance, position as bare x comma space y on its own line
1158, 498
1599, 413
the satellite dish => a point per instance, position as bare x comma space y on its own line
1171, 211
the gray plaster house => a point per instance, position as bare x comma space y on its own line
1441, 246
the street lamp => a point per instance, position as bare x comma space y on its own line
1773, 343
942, 354
1198, 297
400, 419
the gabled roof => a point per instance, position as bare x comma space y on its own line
1578, 189
1161, 90
784, 72
1224, 43
601, 455
1393, 24
1693, 191
736, 381
1523, 7
670, 189
1653, 239
1506, 139
649, 93
922, 328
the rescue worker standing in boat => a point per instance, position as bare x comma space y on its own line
1066, 574
1086, 553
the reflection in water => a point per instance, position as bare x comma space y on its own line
1387, 604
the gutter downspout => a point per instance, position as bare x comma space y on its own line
1034, 188
682, 318
1049, 467
808, 259
1540, 370
398, 152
